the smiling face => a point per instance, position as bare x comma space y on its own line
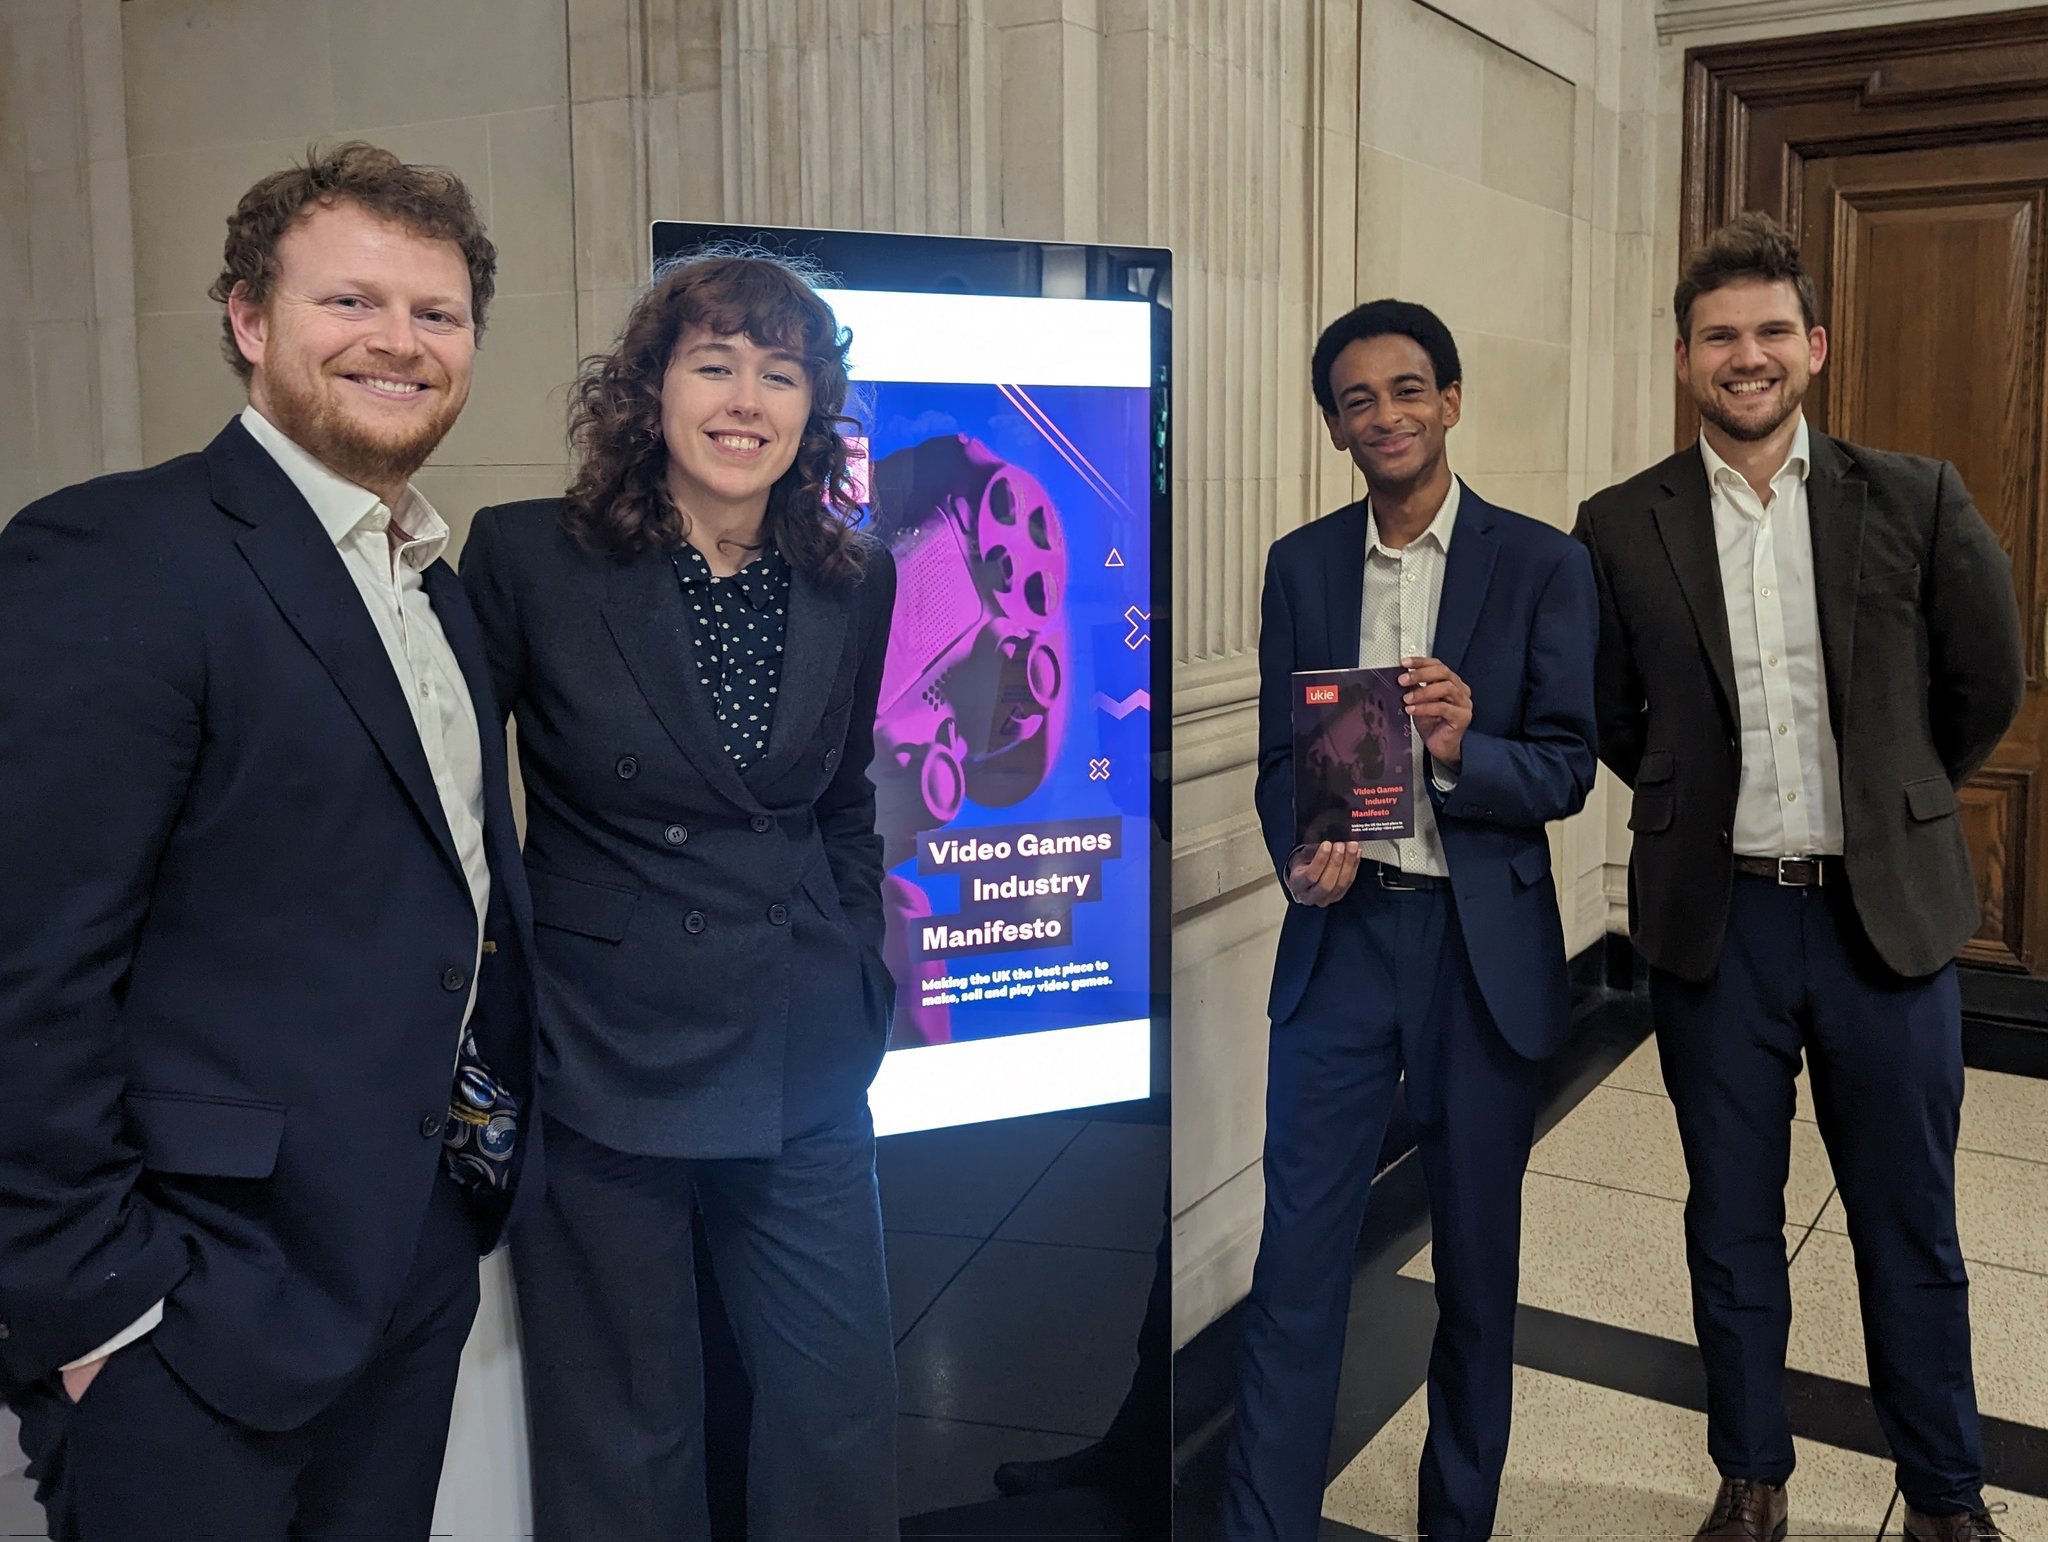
362, 352
1390, 414
733, 415
1749, 358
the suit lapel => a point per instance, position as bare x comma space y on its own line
1468, 569
810, 664
644, 611
1685, 523
306, 578
1344, 585
1834, 512
458, 625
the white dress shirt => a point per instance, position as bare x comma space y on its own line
1789, 797
1397, 620
386, 570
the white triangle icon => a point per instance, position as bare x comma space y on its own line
1115, 559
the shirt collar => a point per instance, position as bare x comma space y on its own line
1439, 529
342, 507
757, 583
1797, 459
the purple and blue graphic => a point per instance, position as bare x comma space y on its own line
1012, 757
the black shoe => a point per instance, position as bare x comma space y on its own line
1093, 1466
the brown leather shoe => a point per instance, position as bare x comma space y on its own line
1972, 1526
1746, 1511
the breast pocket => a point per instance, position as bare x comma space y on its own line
206, 1136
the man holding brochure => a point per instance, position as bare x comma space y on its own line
1434, 952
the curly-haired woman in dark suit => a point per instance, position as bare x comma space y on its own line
691, 642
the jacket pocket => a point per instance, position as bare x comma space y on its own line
1652, 812
1531, 864
1932, 797
1904, 579
204, 1136
1655, 766
587, 909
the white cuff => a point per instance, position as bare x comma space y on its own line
1439, 780
140, 1328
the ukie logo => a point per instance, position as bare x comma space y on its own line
1320, 695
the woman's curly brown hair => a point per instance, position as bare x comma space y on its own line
619, 500
425, 200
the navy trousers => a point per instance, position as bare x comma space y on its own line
1797, 976
606, 1276
1392, 994
140, 1458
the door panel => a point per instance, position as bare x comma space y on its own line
1930, 266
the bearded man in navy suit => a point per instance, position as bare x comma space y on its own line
266, 1028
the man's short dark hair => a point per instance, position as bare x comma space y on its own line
1749, 246
425, 200
1381, 318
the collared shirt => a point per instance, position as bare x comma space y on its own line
1397, 620
388, 579
737, 627
1789, 797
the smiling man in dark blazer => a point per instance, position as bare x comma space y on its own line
1439, 959
265, 1018
1806, 647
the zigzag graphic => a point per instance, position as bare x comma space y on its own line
1123, 709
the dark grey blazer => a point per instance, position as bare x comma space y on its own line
1920, 638
708, 943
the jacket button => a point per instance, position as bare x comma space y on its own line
453, 979
675, 835
693, 923
762, 824
1724, 837
431, 1126
778, 915
832, 757
628, 768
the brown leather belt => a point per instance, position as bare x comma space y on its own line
1793, 872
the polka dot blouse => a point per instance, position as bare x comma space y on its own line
737, 626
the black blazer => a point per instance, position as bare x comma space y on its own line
1516, 620
235, 936
709, 958
1920, 636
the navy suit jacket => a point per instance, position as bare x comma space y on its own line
708, 962
235, 937
1518, 621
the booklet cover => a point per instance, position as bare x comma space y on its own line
1354, 760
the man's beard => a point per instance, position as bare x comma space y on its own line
317, 424
1747, 431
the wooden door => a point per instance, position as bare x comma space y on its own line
1913, 164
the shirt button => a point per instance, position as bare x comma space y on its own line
426, 689
453, 979
1765, 593
693, 923
1774, 661
1784, 728
675, 835
1791, 797
762, 824
778, 915
431, 1126
628, 768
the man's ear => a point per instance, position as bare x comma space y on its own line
1336, 435
1454, 402
250, 321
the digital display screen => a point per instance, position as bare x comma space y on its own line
1010, 449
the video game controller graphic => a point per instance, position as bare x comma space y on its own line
976, 679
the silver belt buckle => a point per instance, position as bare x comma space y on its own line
1815, 881
1393, 878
